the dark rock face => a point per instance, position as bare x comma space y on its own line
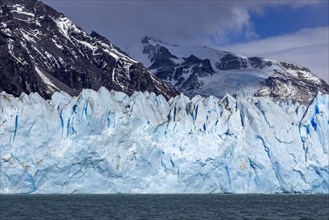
43, 51
162, 61
161, 58
294, 67
299, 88
289, 81
258, 62
182, 74
231, 62
202, 67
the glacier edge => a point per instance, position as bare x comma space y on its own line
107, 142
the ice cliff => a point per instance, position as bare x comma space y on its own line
108, 142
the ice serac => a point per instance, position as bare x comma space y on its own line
43, 51
109, 142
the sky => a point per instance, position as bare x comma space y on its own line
295, 31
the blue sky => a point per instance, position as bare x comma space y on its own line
280, 20
289, 20
291, 30
294, 34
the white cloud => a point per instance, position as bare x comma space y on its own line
307, 47
190, 22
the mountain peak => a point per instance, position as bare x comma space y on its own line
43, 51
199, 70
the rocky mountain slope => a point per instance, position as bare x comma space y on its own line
43, 51
108, 142
196, 70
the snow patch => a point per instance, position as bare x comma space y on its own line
45, 79
20, 9
57, 45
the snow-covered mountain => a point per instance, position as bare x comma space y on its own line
43, 51
197, 70
108, 142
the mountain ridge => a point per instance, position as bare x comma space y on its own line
217, 72
43, 51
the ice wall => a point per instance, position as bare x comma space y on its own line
108, 142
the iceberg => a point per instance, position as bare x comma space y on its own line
108, 142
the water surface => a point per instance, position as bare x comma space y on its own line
164, 207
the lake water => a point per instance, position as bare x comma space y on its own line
164, 207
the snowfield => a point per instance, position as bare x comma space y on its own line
108, 142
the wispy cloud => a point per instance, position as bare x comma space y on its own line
192, 22
307, 47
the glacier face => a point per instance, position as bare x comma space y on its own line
108, 142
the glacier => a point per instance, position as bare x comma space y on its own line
108, 142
